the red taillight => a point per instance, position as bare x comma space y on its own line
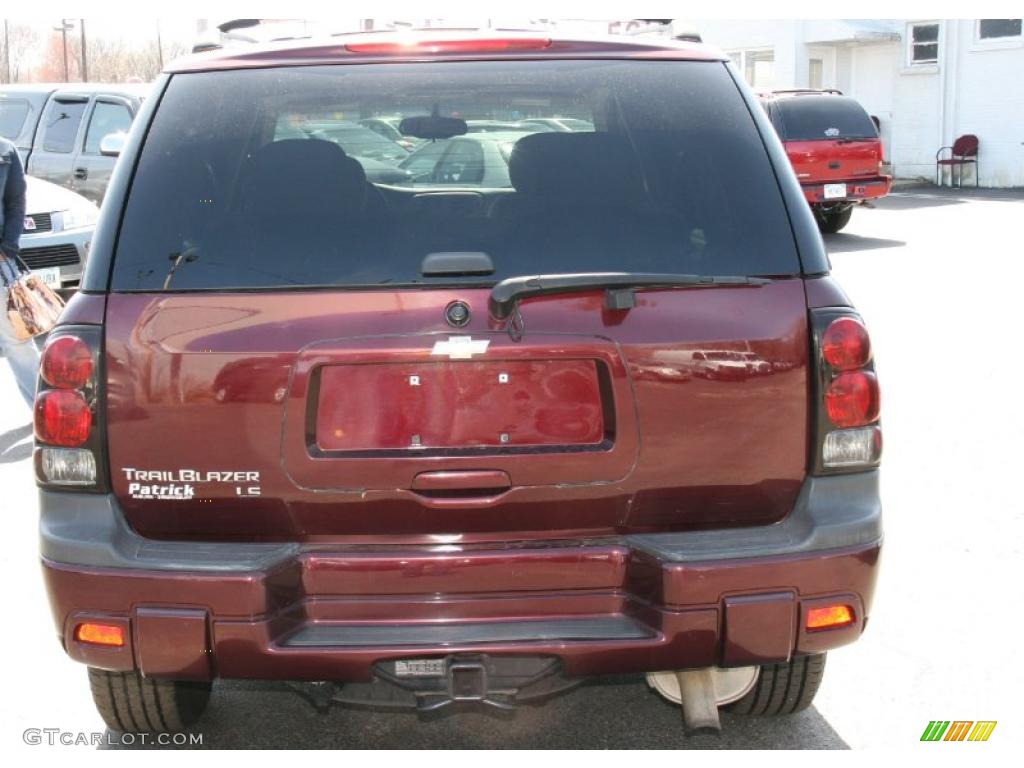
65, 420
848, 437
845, 345
66, 363
852, 399
467, 45
62, 417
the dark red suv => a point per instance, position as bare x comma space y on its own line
834, 146
436, 442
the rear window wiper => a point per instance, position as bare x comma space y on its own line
506, 294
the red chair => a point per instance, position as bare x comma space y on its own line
963, 152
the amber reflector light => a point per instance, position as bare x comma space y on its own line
100, 634
829, 617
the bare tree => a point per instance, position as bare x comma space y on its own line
21, 41
40, 57
109, 60
114, 61
52, 67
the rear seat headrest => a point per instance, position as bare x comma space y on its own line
575, 166
307, 177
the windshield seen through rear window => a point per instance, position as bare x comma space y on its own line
352, 175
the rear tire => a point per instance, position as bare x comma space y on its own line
830, 222
782, 689
130, 703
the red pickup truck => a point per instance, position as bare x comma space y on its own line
835, 150
449, 442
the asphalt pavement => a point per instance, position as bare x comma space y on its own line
937, 276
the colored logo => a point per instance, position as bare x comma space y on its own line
958, 730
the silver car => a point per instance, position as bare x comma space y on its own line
58, 229
478, 159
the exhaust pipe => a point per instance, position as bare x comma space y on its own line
701, 692
700, 705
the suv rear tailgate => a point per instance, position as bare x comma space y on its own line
835, 159
291, 415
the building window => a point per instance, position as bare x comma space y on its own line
924, 43
758, 67
815, 73
998, 29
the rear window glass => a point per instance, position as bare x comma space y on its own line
271, 178
12, 117
807, 118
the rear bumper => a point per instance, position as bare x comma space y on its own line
317, 612
856, 190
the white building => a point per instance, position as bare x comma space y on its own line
927, 81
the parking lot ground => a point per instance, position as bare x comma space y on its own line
937, 274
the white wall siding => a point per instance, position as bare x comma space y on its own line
916, 132
990, 104
873, 85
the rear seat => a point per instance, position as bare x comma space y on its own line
580, 197
313, 185
574, 169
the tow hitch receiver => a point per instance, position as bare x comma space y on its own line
428, 685
467, 681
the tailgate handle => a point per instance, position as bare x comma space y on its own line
486, 482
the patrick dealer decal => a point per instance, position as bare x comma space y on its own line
181, 484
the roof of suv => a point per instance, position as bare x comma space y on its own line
136, 90
30, 87
440, 45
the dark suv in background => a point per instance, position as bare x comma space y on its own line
468, 440
834, 146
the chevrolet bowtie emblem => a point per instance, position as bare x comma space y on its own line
460, 347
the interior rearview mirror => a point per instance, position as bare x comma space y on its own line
432, 127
